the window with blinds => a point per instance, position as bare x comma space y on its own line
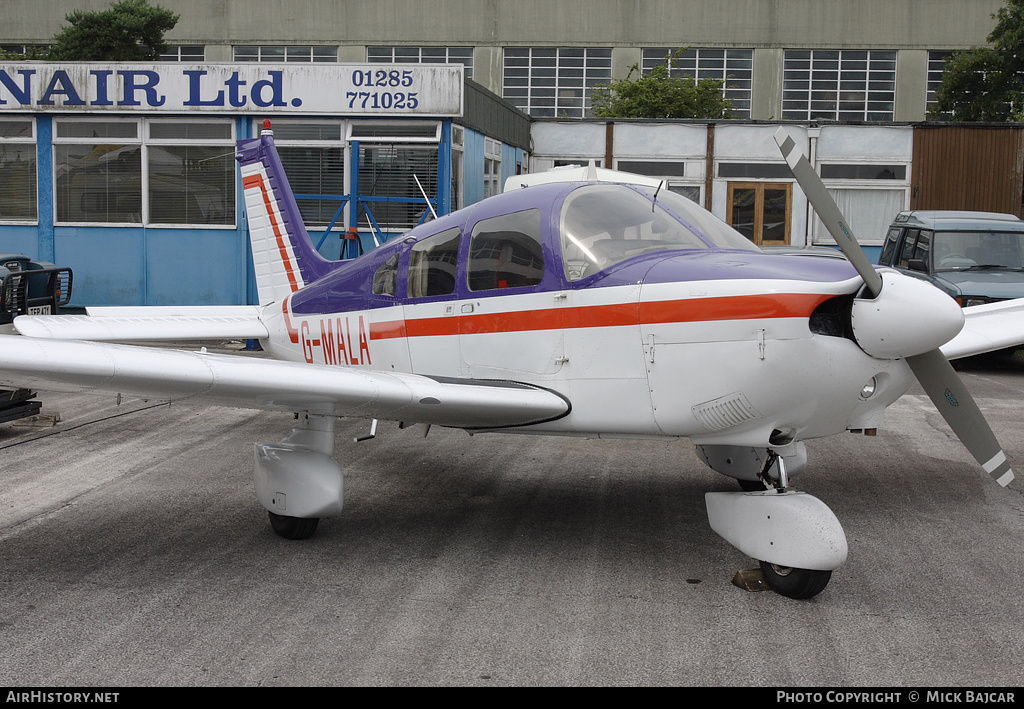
313, 156
17, 170
387, 183
391, 156
141, 171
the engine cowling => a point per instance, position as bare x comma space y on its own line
908, 317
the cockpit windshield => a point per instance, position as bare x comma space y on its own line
602, 225
710, 227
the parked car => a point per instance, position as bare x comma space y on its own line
27, 287
975, 257
30, 287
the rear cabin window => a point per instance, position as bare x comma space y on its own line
505, 252
385, 278
432, 265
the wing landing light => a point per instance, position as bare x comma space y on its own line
934, 372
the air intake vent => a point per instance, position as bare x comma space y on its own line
725, 412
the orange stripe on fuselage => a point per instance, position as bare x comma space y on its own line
256, 180
293, 332
737, 307
743, 307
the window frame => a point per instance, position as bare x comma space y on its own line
174, 53
837, 186
384, 54
492, 167
25, 140
477, 232
342, 143
703, 60
410, 262
800, 84
289, 53
539, 91
144, 141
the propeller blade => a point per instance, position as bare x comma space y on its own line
956, 405
827, 210
934, 372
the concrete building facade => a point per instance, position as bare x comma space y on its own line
140, 196
788, 59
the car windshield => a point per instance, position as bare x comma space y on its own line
602, 225
978, 250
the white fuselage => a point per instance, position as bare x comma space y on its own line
718, 362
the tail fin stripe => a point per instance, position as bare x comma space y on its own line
256, 181
283, 256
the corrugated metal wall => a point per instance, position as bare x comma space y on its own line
978, 168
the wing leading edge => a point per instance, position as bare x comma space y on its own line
258, 383
987, 328
163, 323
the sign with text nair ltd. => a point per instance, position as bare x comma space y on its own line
165, 87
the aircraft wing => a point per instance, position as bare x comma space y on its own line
987, 328
260, 383
163, 323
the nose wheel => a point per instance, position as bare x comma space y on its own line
795, 583
293, 527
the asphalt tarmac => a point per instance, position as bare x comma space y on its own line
133, 552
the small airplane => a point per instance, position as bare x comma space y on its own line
592, 308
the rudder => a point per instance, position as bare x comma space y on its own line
283, 255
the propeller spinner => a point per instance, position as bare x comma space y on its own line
933, 371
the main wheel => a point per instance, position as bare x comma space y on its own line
293, 527
795, 583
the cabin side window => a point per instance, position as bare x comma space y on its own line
385, 278
505, 252
432, 265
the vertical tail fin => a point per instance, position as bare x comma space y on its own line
282, 252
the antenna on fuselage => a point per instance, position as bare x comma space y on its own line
656, 195
373, 232
424, 193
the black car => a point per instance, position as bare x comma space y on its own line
975, 257
30, 287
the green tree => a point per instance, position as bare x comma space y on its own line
659, 95
131, 30
987, 83
31, 52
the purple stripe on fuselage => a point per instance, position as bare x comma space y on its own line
349, 287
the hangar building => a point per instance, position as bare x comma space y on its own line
124, 172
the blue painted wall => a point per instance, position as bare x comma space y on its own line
135, 265
473, 167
